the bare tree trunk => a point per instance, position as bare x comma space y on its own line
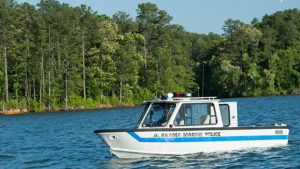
66, 91
243, 72
49, 71
34, 90
5, 74
83, 66
59, 59
26, 72
146, 69
42, 83
43, 88
29, 94
49, 87
145, 56
3, 103
126, 91
101, 90
203, 79
121, 88
66, 76
26, 84
29, 90
157, 70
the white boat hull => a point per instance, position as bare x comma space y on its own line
145, 143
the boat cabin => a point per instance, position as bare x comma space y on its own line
180, 110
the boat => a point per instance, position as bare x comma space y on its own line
180, 124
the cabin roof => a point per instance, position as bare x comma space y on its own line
184, 100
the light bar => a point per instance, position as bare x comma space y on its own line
182, 94
188, 94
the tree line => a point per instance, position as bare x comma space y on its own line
54, 55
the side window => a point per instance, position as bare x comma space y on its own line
180, 119
196, 114
224, 108
188, 114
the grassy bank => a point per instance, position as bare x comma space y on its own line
26, 106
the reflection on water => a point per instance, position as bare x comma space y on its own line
66, 139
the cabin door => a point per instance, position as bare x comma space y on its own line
229, 114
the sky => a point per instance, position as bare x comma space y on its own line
199, 16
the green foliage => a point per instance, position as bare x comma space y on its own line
105, 100
57, 53
35, 106
114, 100
76, 100
260, 59
15, 104
90, 103
141, 94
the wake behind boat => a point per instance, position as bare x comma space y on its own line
180, 124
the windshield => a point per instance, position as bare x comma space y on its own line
159, 115
146, 106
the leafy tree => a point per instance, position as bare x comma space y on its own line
152, 24
124, 21
127, 61
101, 66
48, 10
86, 18
27, 23
67, 56
6, 37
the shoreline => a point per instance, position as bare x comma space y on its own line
74, 108
106, 106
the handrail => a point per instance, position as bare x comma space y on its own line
204, 98
195, 98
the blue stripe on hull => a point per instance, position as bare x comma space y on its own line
209, 139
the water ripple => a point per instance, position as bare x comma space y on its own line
66, 139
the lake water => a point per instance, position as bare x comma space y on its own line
66, 139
